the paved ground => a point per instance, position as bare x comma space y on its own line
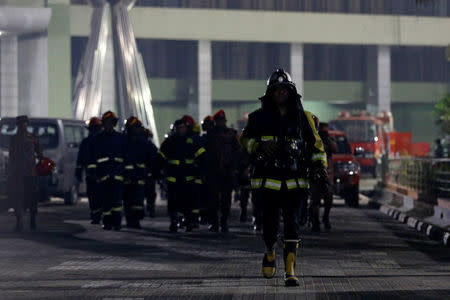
367, 256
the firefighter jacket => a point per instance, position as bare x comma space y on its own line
181, 156
24, 149
140, 159
107, 155
83, 156
223, 153
299, 148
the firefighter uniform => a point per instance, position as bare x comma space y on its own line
106, 160
23, 188
139, 159
95, 206
180, 155
323, 190
282, 177
150, 189
223, 148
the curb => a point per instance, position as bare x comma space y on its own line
432, 231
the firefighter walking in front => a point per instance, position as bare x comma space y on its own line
285, 146
106, 156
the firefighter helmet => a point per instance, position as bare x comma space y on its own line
133, 121
316, 121
189, 121
279, 78
94, 121
220, 115
109, 115
45, 167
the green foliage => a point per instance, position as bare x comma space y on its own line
442, 113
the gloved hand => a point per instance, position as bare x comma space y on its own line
319, 175
268, 149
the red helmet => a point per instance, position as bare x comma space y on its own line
109, 115
190, 121
133, 121
94, 121
219, 115
316, 121
45, 167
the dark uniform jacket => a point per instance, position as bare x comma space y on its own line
181, 156
83, 156
140, 160
107, 156
266, 125
223, 152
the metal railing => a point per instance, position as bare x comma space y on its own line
429, 177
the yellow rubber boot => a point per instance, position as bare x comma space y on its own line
290, 253
269, 264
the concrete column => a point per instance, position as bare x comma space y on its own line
204, 79
296, 60
9, 99
33, 75
378, 97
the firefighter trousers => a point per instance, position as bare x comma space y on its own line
287, 203
220, 202
95, 205
180, 199
133, 202
319, 192
111, 194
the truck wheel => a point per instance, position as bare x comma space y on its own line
71, 197
351, 196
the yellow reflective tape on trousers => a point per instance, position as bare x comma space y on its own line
198, 181
116, 209
119, 178
103, 159
199, 152
140, 166
268, 138
303, 183
291, 184
171, 179
129, 167
189, 161
256, 183
174, 161
141, 182
104, 178
118, 159
273, 184
189, 140
196, 211
92, 166
162, 154
190, 178
137, 207
106, 213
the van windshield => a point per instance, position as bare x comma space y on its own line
46, 132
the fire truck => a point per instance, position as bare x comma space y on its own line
368, 136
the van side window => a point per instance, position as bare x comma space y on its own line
73, 135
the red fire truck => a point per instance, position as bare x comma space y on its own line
368, 136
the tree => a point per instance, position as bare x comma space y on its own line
442, 112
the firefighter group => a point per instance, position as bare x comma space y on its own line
280, 159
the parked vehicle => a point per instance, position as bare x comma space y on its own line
346, 169
60, 140
367, 137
